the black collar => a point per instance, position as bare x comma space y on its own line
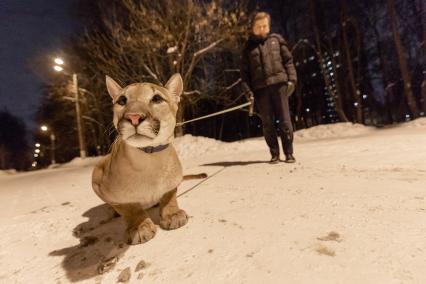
151, 149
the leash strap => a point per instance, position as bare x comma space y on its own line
214, 114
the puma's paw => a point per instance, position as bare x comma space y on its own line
141, 233
174, 221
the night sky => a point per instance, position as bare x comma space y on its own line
31, 33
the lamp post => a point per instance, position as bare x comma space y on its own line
52, 143
82, 145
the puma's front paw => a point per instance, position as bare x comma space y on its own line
141, 233
174, 221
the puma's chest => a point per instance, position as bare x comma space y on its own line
143, 181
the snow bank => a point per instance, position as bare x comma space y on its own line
417, 123
328, 131
79, 162
189, 146
350, 211
8, 172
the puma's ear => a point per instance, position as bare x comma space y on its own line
175, 85
113, 88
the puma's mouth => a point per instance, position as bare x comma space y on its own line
151, 132
148, 130
139, 135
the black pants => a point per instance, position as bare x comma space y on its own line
272, 103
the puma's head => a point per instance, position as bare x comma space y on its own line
145, 113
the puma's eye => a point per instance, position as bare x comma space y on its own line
122, 100
157, 99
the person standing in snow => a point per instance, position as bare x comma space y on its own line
267, 70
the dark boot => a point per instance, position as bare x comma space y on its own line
289, 158
275, 159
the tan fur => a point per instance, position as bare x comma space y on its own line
128, 178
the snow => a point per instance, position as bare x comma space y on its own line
8, 172
172, 49
351, 210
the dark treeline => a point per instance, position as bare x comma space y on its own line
357, 61
14, 148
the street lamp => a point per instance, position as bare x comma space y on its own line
59, 61
58, 68
81, 142
44, 128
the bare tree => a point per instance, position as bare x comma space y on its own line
334, 95
422, 12
158, 38
14, 150
403, 65
345, 21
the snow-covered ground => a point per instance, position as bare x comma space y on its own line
351, 210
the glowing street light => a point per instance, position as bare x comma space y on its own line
59, 61
35, 155
44, 128
37, 145
58, 68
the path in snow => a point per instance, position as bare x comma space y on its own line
351, 210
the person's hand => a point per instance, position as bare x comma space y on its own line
290, 88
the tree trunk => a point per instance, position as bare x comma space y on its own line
383, 66
403, 64
388, 93
354, 90
335, 96
423, 48
2, 157
179, 118
423, 87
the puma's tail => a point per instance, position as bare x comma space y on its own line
198, 176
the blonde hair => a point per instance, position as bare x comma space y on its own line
260, 16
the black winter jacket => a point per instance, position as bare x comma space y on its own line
266, 62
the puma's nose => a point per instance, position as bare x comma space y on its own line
135, 119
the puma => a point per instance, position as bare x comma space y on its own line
143, 168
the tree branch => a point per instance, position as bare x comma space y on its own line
188, 93
152, 74
197, 55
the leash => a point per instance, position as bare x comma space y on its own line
217, 113
202, 181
